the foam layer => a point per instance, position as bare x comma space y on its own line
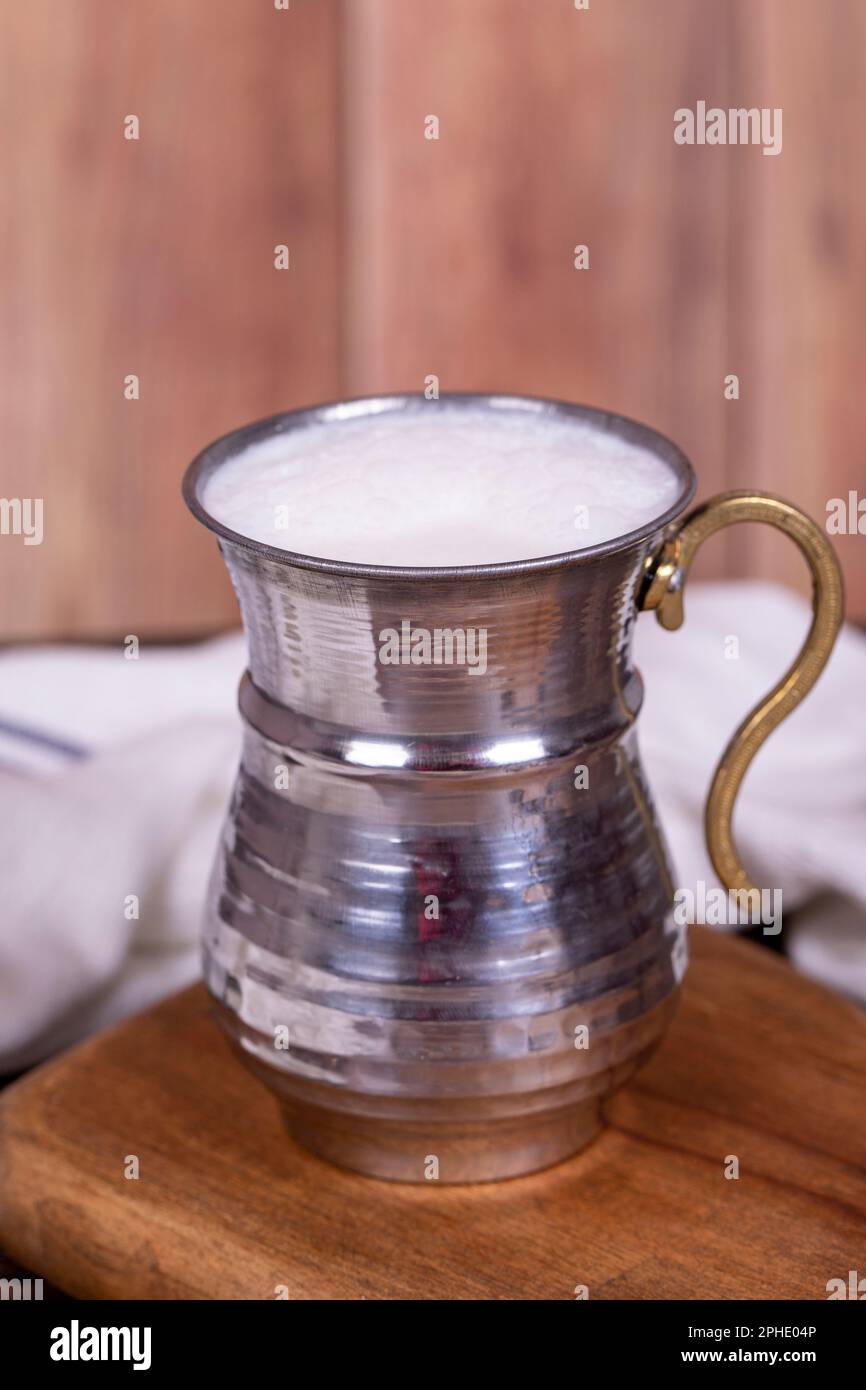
446, 485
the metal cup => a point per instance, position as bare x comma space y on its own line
439, 924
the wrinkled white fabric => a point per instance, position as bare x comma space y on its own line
137, 816
130, 805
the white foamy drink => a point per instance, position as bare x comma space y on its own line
441, 485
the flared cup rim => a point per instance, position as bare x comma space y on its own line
228, 445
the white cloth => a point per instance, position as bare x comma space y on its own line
137, 815
127, 802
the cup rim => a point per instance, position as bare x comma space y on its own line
351, 408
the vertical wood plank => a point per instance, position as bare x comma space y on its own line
556, 129
799, 276
154, 257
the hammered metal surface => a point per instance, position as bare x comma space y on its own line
367, 793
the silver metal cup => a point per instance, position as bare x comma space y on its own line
439, 924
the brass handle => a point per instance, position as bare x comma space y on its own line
667, 571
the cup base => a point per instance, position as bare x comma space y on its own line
451, 1138
468, 1153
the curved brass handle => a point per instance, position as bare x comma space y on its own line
663, 590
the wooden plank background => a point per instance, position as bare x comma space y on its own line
154, 257
412, 257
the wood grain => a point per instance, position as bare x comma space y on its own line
412, 257
154, 257
798, 277
759, 1063
556, 128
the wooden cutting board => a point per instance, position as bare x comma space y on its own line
759, 1064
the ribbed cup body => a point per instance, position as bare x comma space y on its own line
439, 923
435, 878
